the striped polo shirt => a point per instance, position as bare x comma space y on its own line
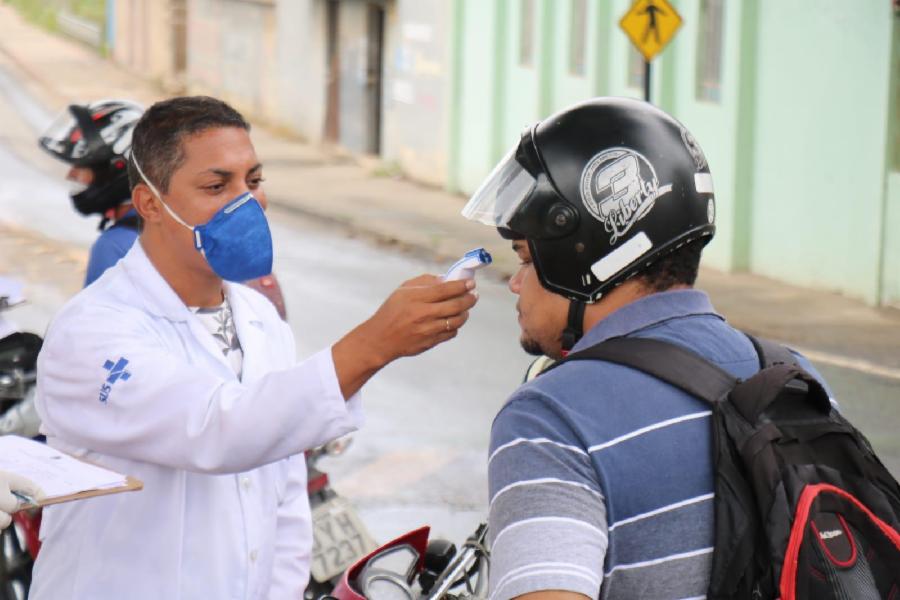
601, 477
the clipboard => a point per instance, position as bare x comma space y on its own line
61, 476
132, 484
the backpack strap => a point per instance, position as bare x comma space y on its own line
770, 353
666, 361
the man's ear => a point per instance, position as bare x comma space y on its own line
146, 203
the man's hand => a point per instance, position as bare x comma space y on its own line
10, 482
420, 314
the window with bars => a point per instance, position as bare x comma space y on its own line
709, 51
526, 34
577, 37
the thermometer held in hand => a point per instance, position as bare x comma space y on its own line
466, 266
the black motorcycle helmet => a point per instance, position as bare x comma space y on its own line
600, 191
96, 136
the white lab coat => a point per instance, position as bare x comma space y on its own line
224, 512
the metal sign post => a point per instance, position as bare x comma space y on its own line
650, 25
647, 80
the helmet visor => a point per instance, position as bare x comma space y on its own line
501, 194
63, 136
73, 136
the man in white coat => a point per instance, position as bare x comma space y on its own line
165, 370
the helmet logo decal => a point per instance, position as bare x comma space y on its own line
619, 187
694, 149
118, 133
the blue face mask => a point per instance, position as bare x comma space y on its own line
236, 241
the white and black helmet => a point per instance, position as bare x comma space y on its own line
96, 136
600, 191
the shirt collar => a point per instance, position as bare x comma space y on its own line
157, 295
647, 311
155, 292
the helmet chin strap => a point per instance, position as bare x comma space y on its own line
573, 331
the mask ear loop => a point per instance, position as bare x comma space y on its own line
198, 243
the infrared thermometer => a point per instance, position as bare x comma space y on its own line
466, 266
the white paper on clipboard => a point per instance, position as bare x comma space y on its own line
57, 473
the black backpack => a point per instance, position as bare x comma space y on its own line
803, 507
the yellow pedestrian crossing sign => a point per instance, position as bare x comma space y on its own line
650, 25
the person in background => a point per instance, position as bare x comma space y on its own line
95, 139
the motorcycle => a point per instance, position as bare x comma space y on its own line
413, 568
339, 536
19, 543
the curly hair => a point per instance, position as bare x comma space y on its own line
677, 268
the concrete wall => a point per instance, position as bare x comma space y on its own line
564, 86
497, 93
300, 51
715, 124
268, 58
417, 82
479, 30
143, 37
265, 57
353, 47
521, 81
232, 54
891, 262
819, 140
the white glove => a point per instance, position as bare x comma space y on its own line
8, 502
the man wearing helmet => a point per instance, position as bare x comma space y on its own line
95, 140
608, 205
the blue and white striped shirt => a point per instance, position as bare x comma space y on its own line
601, 477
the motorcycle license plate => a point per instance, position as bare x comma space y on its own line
339, 539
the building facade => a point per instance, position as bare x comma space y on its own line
371, 76
150, 37
794, 102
